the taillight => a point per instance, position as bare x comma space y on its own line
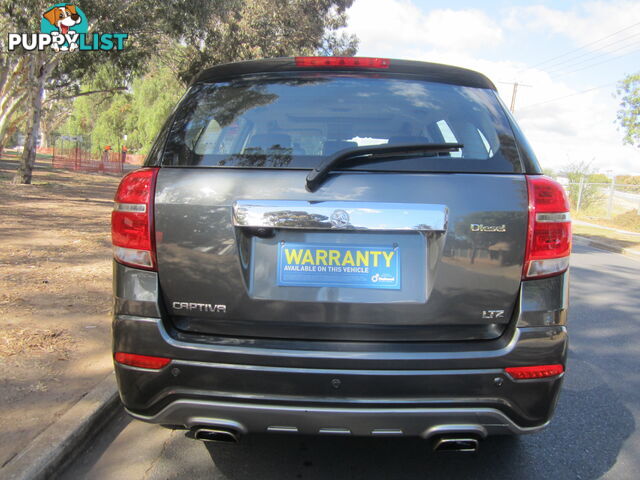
354, 62
141, 361
537, 371
132, 220
549, 231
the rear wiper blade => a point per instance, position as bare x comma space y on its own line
321, 172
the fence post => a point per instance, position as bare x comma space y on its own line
611, 193
580, 188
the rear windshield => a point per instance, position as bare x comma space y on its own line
298, 121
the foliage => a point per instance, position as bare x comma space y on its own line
597, 178
105, 118
59, 72
154, 96
70, 70
628, 183
87, 111
54, 114
629, 112
185, 35
578, 173
217, 32
111, 125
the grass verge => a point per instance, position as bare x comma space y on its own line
609, 237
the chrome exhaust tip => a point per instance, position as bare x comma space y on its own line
456, 444
218, 435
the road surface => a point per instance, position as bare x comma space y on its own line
594, 434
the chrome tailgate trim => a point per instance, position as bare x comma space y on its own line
304, 215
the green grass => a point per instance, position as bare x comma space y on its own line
16, 156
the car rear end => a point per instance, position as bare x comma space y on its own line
405, 295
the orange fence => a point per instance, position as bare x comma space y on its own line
45, 150
77, 159
135, 158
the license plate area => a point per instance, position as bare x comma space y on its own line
341, 266
266, 266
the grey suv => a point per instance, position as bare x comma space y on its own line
341, 246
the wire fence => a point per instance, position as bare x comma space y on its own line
605, 200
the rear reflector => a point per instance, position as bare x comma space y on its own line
538, 371
549, 231
133, 257
132, 219
141, 361
354, 62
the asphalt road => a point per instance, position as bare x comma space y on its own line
594, 433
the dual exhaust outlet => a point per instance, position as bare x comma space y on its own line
455, 444
444, 444
217, 435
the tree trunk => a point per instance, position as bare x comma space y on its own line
12, 92
7, 116
37, 76
45, 140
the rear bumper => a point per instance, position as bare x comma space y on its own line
388, 422
411, 393
357, 388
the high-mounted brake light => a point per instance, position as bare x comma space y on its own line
141, 361
538, 371
549, 230
132, 220
354, 62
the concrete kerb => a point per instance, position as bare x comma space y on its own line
62, 441
587, 242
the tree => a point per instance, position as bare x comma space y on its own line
211, 33
12, 92
105, 118
100, 118
61, 71
578, 173
630, 183
629, 112
598, 178
39, 69
54, 114
154, 96
111, 125
195, 35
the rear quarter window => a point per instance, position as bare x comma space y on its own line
298, 120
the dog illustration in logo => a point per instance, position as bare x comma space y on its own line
63, 18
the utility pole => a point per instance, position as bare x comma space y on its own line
581, 188
611, 194
513, 97
514, 93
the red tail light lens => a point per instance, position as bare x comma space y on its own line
132, 219
549, 231
354, 62
538, 371
141, 361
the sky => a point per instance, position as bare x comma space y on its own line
569, 54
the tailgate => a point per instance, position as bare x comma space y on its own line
251, 253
